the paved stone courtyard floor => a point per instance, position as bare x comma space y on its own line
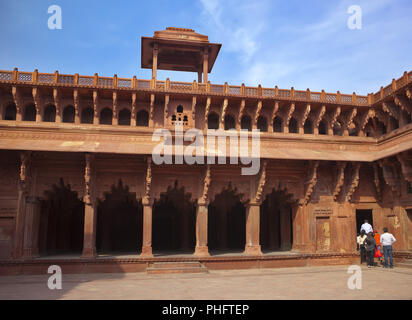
305, 283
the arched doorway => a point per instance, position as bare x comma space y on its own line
276, 221
119, 222
174, 218
61, 221
227, 222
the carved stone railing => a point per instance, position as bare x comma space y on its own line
390, 89
35, 77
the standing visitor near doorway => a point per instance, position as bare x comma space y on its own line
361, 246
387, 239
370, 249
366, 227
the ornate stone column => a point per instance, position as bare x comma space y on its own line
253, 229
154, 66
202, 212
147, 203
205, 64
31, 229
90, 210
23, 187
147, 228
201, 249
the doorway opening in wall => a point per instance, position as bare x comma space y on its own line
61, 222
227, 222
409, 228
361, 216
119, 222
174, 220
276, 227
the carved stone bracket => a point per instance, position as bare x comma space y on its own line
304, 115
241, 111
409, 93
207, 109
194, 101
377, 181
258, 111
391, 175
88, 180
37, 99
115, 104
151, 109
204, 197
349, 121
223, 113
319, 116
391, 110
134, 100
406, 165
166, 107
25, 172
262, 182
57, 101
354, 182
340, 179
403, 103
274, 112
311, 181
17, 99
95, 103
334, 116
290, 113
148, 182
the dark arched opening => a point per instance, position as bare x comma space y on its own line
61, 226
142, 118
322, 128
29, 113
174, 219
276, 221
246, 123
308, 127
68, 114
277, 125
10, 113
49, 113
119, 221
293, 126
229, 122
87, 115
124, 117
213, 121
262, 124
227, 222
106, 116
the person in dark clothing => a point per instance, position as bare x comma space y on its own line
370, 245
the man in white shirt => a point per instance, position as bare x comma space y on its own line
386, 241
367, 227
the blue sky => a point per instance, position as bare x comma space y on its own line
304, 44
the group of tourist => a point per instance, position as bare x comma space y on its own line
371, 244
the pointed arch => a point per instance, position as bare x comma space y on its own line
106, 116
68, 114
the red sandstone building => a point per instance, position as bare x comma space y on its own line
79, 187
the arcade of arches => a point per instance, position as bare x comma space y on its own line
119, 226
110, 212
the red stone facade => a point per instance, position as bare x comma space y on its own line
77, 174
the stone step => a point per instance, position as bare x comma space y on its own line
405, 264
190, 264
176, 267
